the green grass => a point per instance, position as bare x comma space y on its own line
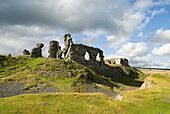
65, 76
134, 79
69, 77
155, 100
59, 103
151, 100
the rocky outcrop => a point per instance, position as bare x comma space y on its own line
119, 61
147, 84
37, 51
55, 50
26, 52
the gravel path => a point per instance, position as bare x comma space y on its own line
96, 89
13, 89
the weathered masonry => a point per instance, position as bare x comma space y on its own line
119, 61
77, 53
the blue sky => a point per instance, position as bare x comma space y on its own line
135, 29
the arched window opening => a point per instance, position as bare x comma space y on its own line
97, 57
86, 57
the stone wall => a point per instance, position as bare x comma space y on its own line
37, 51
77, 53
55, 50
119, 61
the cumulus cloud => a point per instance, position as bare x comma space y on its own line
91, 37
155, 12
25, 23
143, 4
118, 19
71, 15
134, 18
16, 38
162, 51
140, 34
133, 49
112, 56
147, 61
142, 61
161, 37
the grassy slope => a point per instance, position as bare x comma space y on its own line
135, 80
66, 76
149, 101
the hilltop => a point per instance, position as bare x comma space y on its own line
65, 86
22, 74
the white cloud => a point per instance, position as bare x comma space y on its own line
143, 4
162, 51
162, 2
161, 36
146, 61
134, 18
143, 61
91, 37
25, 23
112, 56
140, 34
155, 12
115, 18
14, 39
133, 49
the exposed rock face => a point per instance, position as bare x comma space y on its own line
119, 61
55, 50
26, 52
147, 84
37, 51
77, 53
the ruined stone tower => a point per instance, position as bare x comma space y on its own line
55, 50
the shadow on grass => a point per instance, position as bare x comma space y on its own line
120, 74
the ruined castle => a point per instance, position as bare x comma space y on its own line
77, 52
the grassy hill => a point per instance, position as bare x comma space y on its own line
154, 100
65, 76
68, 87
